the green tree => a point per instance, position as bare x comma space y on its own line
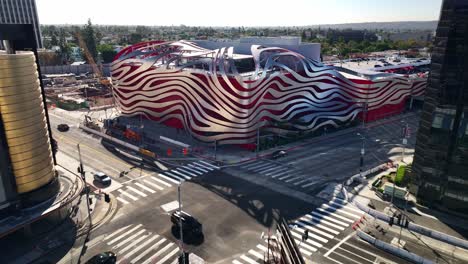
89, 37
135, 38
54, 40
107, 53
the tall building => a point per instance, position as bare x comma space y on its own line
21, 12
441, 155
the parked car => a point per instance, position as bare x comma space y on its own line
63, 127
102, 178
278, 154
107, 257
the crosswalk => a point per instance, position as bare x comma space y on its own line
323, 224
152, 184
283, 173
135, 244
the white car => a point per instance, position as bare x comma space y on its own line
102, 178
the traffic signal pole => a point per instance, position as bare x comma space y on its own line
181, 233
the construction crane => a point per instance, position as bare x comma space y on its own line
97, 71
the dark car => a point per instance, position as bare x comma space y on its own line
107, 257
278, 154
190, 226
102, 178
63, 127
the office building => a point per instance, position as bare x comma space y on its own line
21, 12
441, 155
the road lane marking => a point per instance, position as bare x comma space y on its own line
192, 170
371, 261
340, 210
136, 191
249, 260
179, 174
144, 253
136, 241
319, 225
324, 221
116, 232
209, 164
319, 238
145, 188
128, 195
335, 214
123, 235
337, 245
154, 178
308, 241
329, 218
128, 239
169, 178
174, 176
256, 254
198, 168
122, 200
155, 255
204, 166
142, 245
168, 256
186, 172
313, 229
154, 185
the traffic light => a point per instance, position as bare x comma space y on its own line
185, 151
169, 152
106, 198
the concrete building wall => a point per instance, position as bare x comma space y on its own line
21, 12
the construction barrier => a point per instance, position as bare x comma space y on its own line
393, 250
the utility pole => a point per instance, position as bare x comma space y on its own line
82, 174
404, 141
181, 233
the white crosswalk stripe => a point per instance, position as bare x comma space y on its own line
204, 166
191, 174
192, 170
160, 181
153, 185
128, 195
122, 200
323, 224
135, 244
172, 175
168, 178
198, 168
136, 191
145, 188
209, 164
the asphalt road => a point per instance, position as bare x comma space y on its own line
336, 158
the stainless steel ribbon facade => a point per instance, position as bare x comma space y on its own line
186, 86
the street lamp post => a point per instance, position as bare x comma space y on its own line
363, 152
181, 233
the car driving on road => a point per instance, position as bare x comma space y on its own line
102, 178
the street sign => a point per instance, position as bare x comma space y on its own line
363, 151
405, 141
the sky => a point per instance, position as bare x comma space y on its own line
234, 12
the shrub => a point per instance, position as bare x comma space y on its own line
400, 175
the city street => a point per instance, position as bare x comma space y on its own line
236, 204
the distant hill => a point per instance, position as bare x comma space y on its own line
400, 25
